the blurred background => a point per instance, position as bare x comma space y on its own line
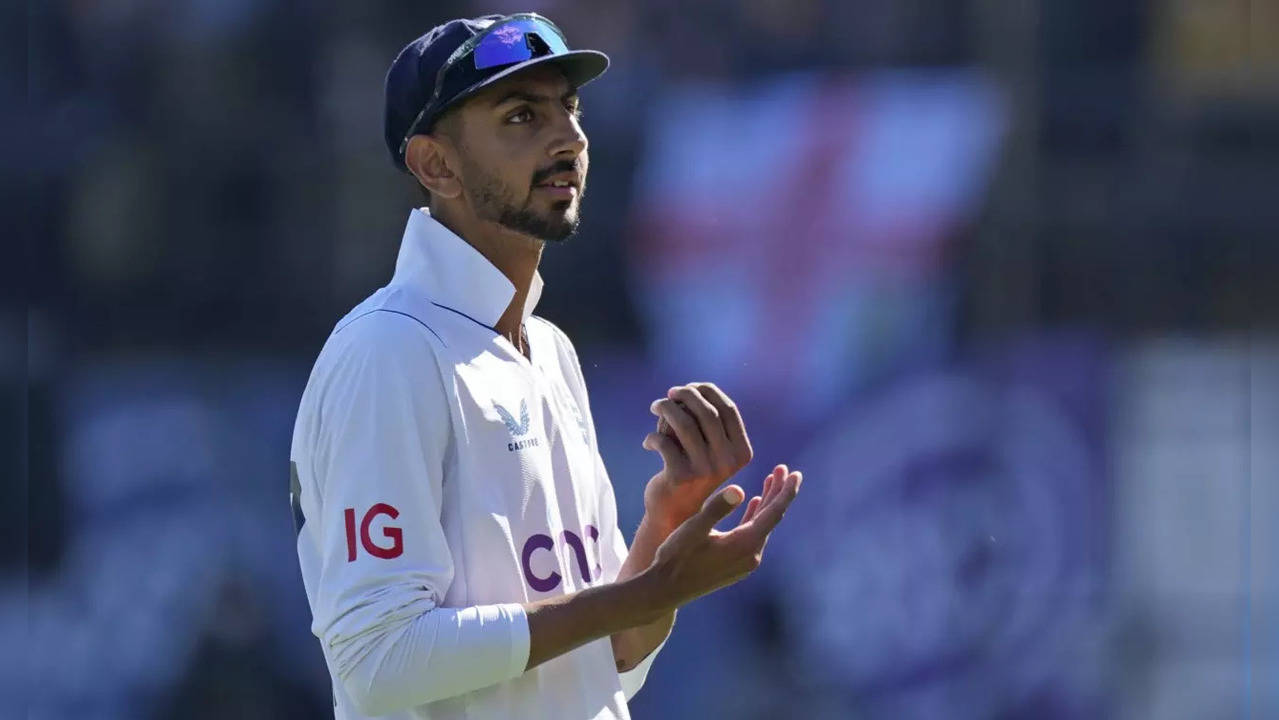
998, 276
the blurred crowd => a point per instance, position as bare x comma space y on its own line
998, 276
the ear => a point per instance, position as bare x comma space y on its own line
430, 160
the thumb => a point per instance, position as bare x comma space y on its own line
717, 507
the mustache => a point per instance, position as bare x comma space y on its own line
562, 166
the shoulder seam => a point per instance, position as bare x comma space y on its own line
394, 312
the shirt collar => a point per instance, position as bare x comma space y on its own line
434, 261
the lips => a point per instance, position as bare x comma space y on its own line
566, 192
562, 185
562, 179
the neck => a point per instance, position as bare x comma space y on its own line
516, 256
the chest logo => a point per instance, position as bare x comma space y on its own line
518, 428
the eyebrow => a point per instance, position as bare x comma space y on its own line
529, 97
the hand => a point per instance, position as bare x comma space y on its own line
708, 447
697, 559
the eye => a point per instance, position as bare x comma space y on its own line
520, 117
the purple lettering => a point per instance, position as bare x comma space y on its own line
540, 584
579, 551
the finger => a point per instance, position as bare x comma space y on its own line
722, 457
774, 482
779, 483
666, 446
731, 418
751, 508
686, 431
768, 515
716, 508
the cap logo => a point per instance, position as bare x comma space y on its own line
509, 35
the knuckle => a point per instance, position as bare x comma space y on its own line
697, 404
707, 389
700, 404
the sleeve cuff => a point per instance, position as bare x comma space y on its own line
632, 680
517, 621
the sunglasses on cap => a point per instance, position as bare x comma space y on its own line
513, 39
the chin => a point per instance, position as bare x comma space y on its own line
564, 211
555, 224
561, 233
562, 223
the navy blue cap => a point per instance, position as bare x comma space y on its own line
411, 81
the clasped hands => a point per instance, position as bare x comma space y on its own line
702, 441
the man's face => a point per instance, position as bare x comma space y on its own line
523, 154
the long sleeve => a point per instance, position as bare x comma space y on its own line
379, 429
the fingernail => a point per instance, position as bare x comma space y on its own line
734, 495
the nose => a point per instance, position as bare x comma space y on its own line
569, 138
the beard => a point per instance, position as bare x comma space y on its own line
495, 202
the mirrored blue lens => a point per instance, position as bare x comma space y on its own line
509, 43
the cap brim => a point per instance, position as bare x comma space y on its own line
579, 66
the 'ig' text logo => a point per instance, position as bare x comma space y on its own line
394, 534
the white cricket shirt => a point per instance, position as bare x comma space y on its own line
440, 479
